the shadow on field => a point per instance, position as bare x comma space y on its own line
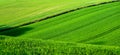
98, 42
3, 27
14, 31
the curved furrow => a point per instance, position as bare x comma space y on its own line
25, 19
68, 22
91, 30
52, 28
78, 29
69, 16
111, 38
67, 26
103, 33
84, 21
64, 33
41, 35
60, 13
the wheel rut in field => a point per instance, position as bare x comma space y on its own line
101, 34
83, 26
55, 16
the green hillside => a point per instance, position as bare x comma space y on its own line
41, 47
65, 27
76, 25
16, 12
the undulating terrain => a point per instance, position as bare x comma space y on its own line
59, 27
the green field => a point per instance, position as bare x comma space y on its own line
65, 27
15, 12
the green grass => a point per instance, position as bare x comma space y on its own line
93, 30
80, 26
14, 12
33, 46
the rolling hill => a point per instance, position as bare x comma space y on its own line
16, 12
81, 27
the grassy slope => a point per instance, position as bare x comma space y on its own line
33, 46
15, 12
76, 25
60, 29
